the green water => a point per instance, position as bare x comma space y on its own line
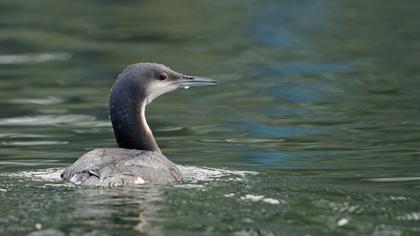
319, 104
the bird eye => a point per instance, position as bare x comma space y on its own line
162, 76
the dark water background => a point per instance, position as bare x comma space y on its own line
320, 98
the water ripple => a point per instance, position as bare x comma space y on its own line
252, 140
394, 179
30, 143
195, 174
50, 174
411, 216
19, 135
48, 120
34, 58
170, 129
38, 101
190, 174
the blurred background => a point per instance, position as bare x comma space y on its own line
319, 97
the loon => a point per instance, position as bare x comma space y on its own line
138, 159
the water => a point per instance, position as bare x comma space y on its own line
314, 129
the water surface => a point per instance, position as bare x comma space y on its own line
314, 129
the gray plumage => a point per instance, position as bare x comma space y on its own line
139, 159
109, 167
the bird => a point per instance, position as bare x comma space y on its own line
138, 158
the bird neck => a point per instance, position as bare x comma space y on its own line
127, 112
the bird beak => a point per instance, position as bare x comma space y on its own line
189, 81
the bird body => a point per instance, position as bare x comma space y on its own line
138, 159
120, 166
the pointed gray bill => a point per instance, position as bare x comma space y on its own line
190, 81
